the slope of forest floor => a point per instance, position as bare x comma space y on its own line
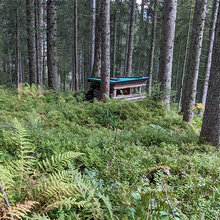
144, 158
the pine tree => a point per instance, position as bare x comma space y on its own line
166, 51
209, 51
39, 41
192, 72
105, 36
131, 39
96, 72
211, 120
53, 78
31, 41
75, 47
152, 48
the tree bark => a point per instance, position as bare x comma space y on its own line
166, 51
152, 48
105, 69
18, 53
140, 37
31, 41
209, 51
39, 41
93, 33
211, 120
114, 42
131, 39
72, 71
64, 80
53, 78
75, 48
178, 70
191, 79
185, 57
96, 72
126, 49
81, 68
44, 46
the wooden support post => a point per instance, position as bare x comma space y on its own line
114, 93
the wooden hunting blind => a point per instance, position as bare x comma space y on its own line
130, 88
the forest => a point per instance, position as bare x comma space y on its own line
110, 109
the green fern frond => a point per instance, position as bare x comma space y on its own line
26, 161
67, 203
107, 203
53, 185
58, 160
88, 196
6, 177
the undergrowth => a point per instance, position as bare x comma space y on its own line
136, 160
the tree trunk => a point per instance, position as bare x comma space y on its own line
44, 61
31, 41
75, 48
44, 46
18, 76
166, 51
114, 41
119, 48
185, 57
178, 69
190, 90
105, 73
209, 51
96, 72
10, 77
39, 40
53, 78
93, 33
19, 60
140, 37
211, 120
152, 48
72, 71
131, 39
126, 49
64, 80
81, 69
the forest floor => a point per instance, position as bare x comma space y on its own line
150, 163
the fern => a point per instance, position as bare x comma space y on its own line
46, 185
107, 203
26, 162
18, 211
68, 203
58, 160
6, 178
89, 198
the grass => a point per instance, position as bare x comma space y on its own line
127, 148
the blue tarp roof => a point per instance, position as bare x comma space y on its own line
119, 80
